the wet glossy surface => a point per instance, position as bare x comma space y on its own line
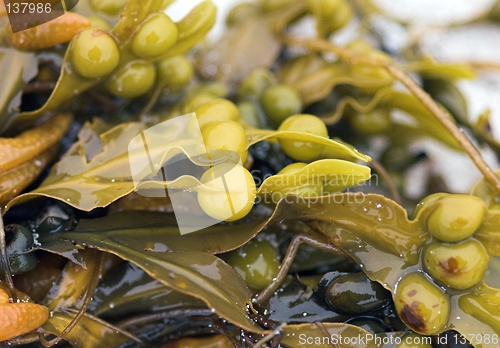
198, 274
191, 28
155, 36
330, 148
90, 332
128, 289
459, 266
315, 179
375, 232
257, 262
421, 305
94, 53
310, 124
19, 318
21, 241
378, 235
355, 293
456, 217
96, 170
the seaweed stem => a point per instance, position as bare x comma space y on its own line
448, 123
118, 329
325, 332
426, 100
39, 86
88, 297
270, 336
297, 240
484, 65
379, 168
150, 318
291, 13
152, 100
220, 327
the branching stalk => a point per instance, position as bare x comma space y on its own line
426, 100
388, 180
448, 123
270, 336
153, 317
484, 65
288, 260
88, 297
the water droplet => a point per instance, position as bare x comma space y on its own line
111, 305
379, 205
212, 310
35, 239
172, 275
304, 314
